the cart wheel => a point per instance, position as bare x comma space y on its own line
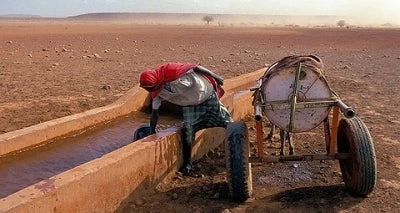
359, 171
237, 161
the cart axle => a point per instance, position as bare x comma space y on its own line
272, 159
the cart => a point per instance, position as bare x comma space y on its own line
294, 96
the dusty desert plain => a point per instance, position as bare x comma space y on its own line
51, 69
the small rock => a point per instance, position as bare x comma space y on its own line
324, 179
97, 55
9, 42
174, 196
223, 60
226, 211
295, 165
56, 64
45, 49
336, 173
139, 202
65, 49
179, 175
30, 55
106, 87
346, 67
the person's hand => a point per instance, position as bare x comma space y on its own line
156, 103
204, 70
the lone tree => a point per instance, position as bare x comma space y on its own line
208, 19
341, 23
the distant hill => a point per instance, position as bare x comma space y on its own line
24, 16
219, 19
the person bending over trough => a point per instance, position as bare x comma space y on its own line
197, 90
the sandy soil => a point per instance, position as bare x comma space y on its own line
53, 69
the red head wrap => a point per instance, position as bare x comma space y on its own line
149, 79
152, 80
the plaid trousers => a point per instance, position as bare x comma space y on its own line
210, 113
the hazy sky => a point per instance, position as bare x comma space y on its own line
380, 11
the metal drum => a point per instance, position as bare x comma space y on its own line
278, 86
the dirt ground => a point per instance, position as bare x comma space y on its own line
54, 69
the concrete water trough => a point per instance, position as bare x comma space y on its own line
56, 166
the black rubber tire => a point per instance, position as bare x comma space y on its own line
237, 162
359, 172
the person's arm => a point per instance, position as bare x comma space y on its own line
155, 105
206, 71
153, 121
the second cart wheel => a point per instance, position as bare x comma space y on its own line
358, 171
237, 161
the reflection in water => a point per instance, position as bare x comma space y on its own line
27, 168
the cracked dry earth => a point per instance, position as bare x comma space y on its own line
51, 69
